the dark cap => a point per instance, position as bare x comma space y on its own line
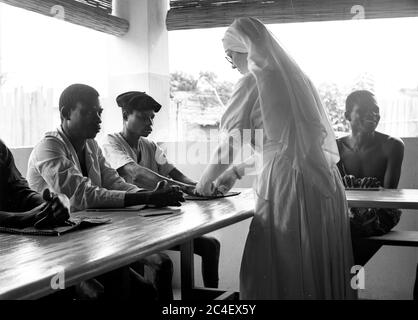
137, 100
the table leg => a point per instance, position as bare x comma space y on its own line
187, 270
188, 289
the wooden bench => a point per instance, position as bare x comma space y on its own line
397, 238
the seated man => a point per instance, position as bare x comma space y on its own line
22, 207
69, 161
142, 162
368, 159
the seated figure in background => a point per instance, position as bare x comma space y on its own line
22, 207
142, 162
368, 159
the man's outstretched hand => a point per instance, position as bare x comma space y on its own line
164, 195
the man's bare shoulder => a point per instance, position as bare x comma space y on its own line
343, 141
389, 143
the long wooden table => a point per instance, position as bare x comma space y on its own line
385, 198
28, 263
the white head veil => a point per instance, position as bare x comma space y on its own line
286, 92
232, 41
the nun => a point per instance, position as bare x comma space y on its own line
298, 245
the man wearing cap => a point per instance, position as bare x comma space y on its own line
143, 163
69, 160
139, 160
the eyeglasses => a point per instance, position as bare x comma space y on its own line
229, 59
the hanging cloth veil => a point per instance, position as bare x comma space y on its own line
292, 112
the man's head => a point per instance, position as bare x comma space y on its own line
362, 111
80, 110
138, 111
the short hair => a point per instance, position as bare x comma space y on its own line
77, 93
360, 98
136, 100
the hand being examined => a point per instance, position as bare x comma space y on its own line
184, 187
351, 181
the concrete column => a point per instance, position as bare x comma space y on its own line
1, 36
158, 64
139, 61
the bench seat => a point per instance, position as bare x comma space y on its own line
397, 238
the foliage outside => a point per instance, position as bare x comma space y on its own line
201, 101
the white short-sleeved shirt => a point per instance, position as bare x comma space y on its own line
119, 153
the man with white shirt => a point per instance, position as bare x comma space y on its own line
141, 161
69, 161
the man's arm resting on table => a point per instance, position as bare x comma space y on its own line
177, 175
22, 197
48, 214
144, 177
16, 219
163, 195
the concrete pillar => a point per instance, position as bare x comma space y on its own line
1, 36
139, 61
158, 64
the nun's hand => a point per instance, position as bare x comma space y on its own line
206, 189
226, 181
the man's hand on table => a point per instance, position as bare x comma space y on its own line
351, 181
184, 187
164, 195
205, 190
50, 214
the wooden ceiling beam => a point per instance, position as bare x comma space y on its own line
210, 14
76, 13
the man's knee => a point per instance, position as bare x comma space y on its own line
140, 288
160, 262
207, 245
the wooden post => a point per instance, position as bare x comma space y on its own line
187, 270
75, 12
